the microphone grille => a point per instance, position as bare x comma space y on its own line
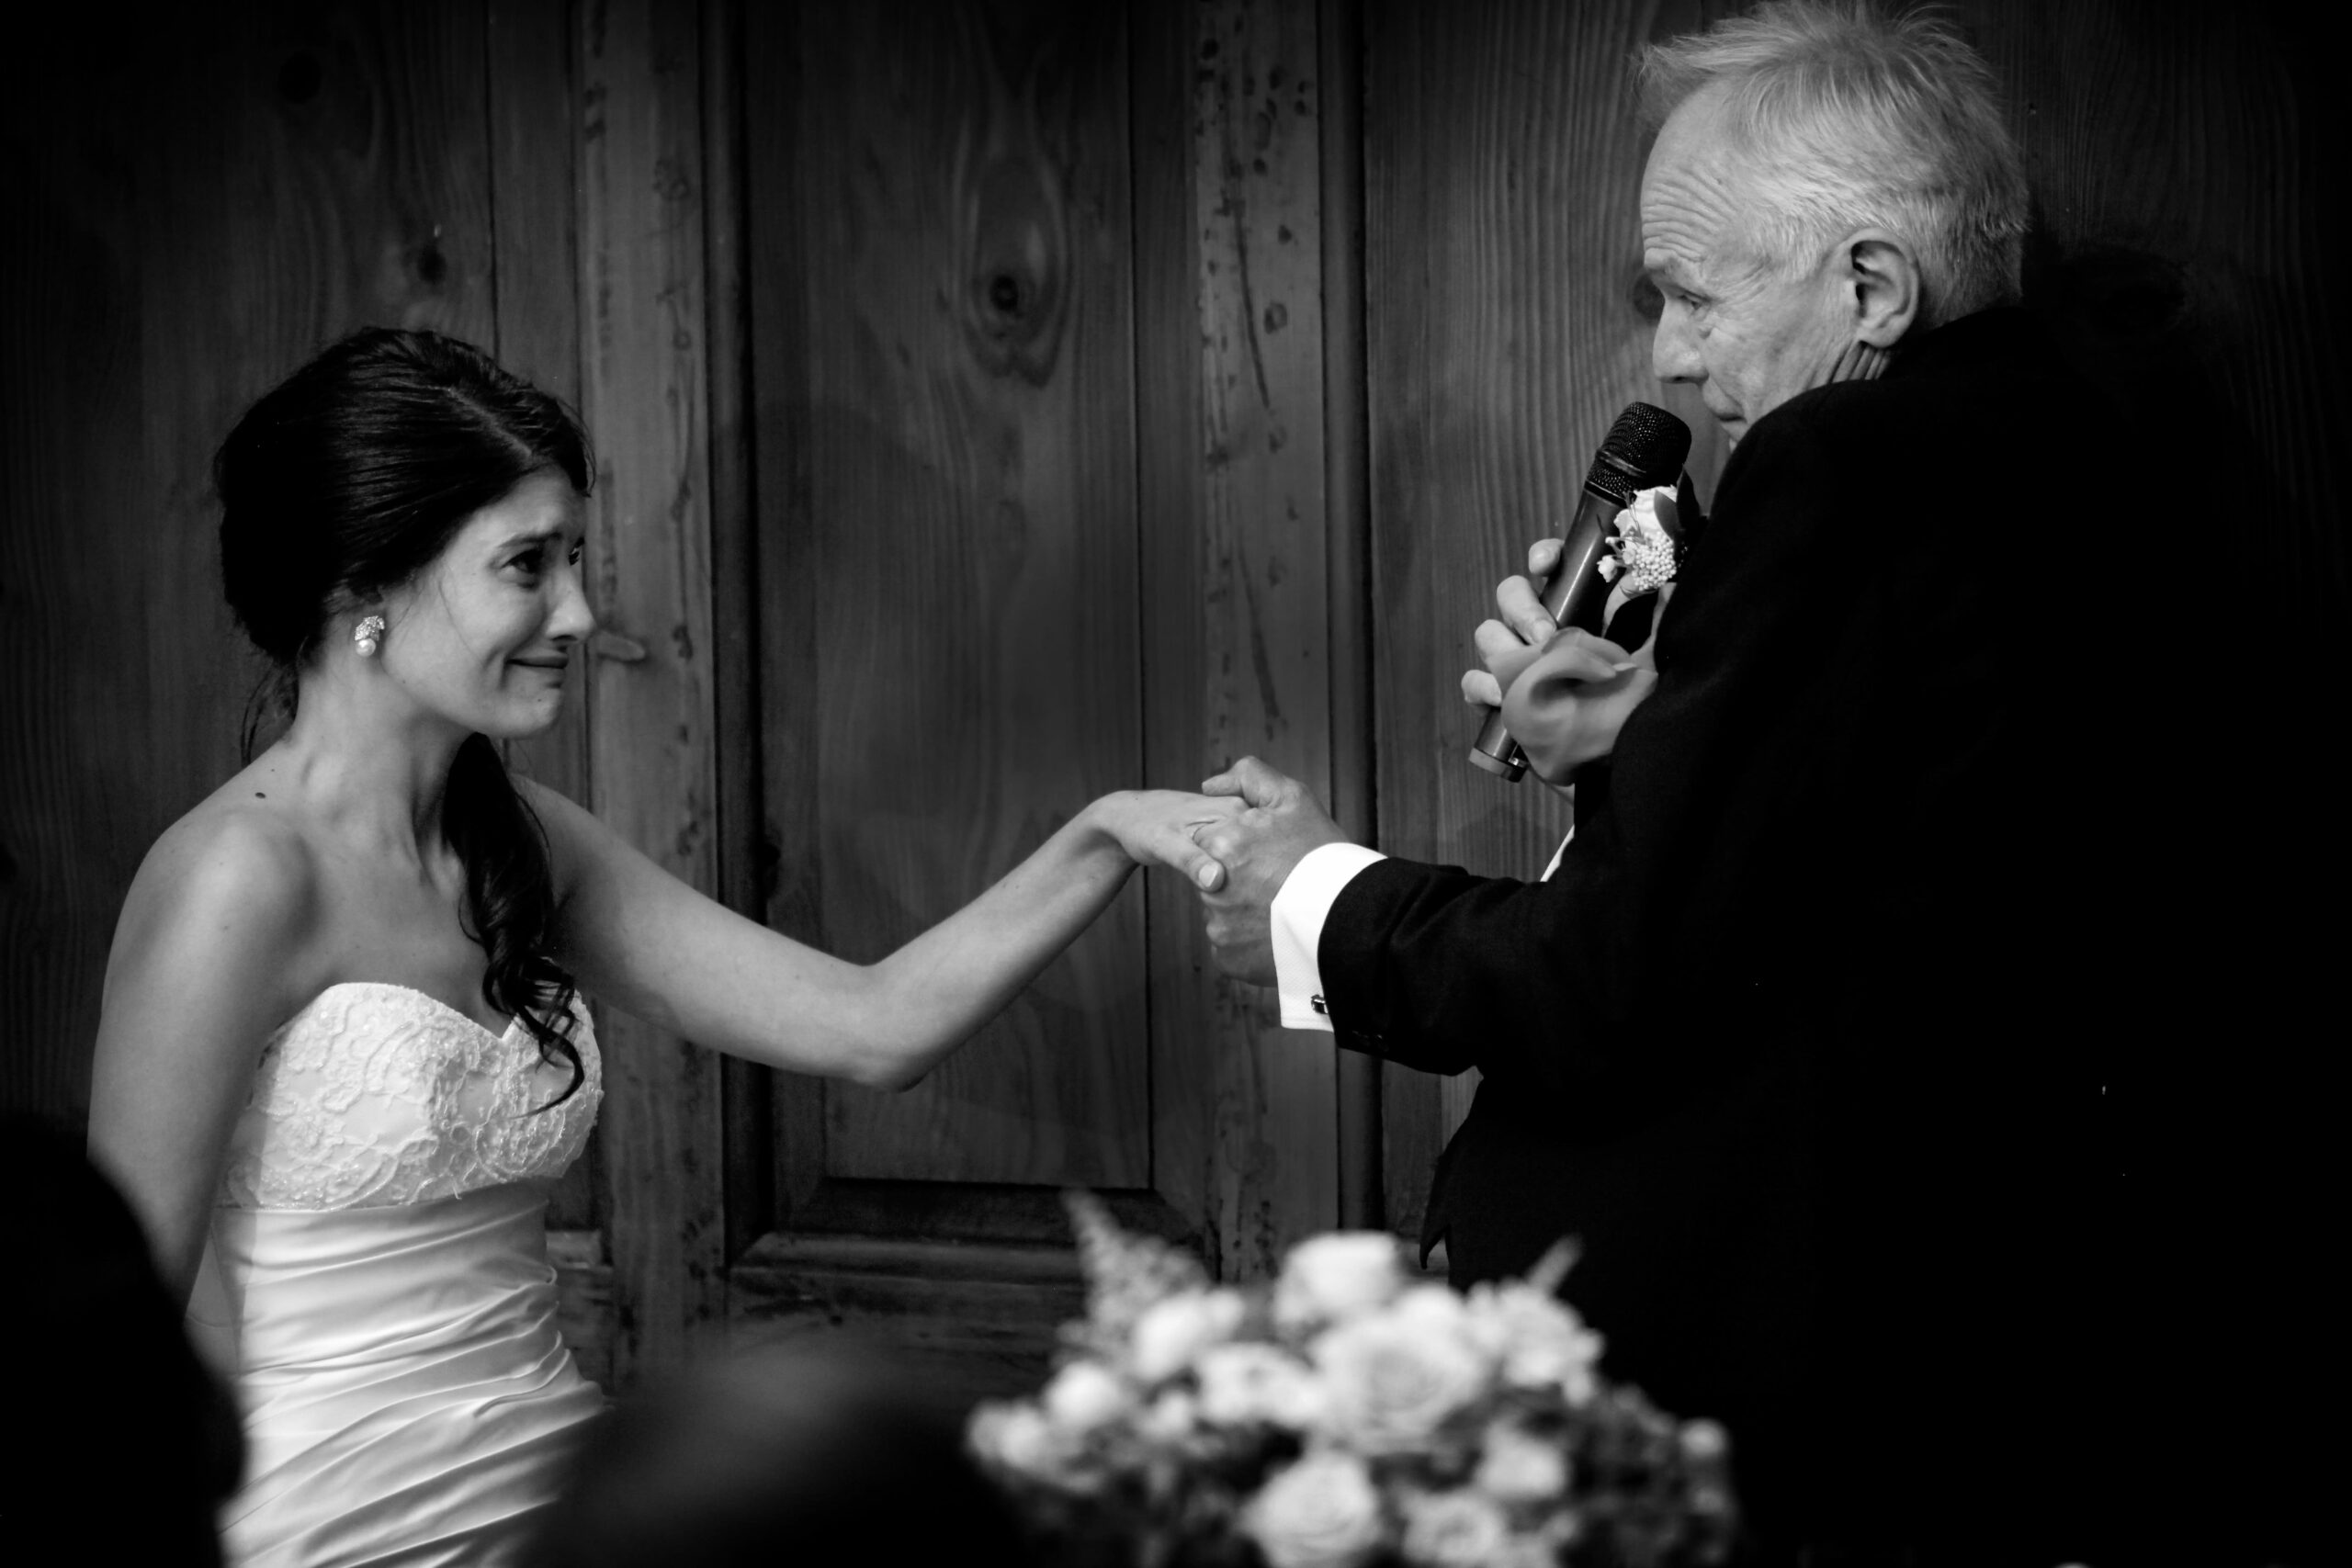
1648, 443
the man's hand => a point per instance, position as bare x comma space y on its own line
1509, 643
1565, 694
1258, 849
1523, 626
1565, 703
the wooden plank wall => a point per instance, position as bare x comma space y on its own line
196, 205
645, 395
1349, 292
1229, 254
1037, 294
748, 1199
969, 379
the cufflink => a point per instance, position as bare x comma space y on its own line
1322, 1007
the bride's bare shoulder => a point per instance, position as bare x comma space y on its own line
234, 872
244, 840
219, 942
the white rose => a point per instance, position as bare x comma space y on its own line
1704, 1441
1434, 1309
1330, 1277
1171, 1332
1245, 1383
1170, 1419
1562, 1530
1654, 512
1454, 1529
1392, 1379
1322, 1512
1645, 548
1535, 1341
1019, 1438
1085, 1396
1518, 1467
1524, 1550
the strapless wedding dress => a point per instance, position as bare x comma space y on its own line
377, 1283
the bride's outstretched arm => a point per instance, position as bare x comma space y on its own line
642, 940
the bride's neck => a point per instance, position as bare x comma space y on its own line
381, 773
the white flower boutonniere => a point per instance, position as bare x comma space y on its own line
1648, 545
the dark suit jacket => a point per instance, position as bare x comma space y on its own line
1804, 1041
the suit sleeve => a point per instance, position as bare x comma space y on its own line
1441, 970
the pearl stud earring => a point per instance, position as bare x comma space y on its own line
364, 635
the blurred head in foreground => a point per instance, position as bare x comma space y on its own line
124, 1442
805, 1456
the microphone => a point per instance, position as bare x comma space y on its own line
1645, 448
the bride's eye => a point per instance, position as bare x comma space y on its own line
576, 553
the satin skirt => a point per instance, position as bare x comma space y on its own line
407, 1397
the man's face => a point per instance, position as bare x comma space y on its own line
1749, 334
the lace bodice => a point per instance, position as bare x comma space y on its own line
377, 1095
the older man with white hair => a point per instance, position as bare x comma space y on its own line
1804, 1041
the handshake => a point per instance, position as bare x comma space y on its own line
1565, 694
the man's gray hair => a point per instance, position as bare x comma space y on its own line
1845, 118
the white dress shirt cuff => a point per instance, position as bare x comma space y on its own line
1297, 915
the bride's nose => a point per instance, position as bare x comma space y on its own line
572, 619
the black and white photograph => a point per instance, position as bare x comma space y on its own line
1174, 783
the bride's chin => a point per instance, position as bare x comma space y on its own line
521, 725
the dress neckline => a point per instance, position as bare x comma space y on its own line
435, 1002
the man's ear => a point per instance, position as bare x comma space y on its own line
1885, 275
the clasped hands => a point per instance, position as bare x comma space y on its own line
1565, 694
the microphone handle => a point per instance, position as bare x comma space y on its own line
1573, 596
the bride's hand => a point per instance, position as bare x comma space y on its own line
1156, 827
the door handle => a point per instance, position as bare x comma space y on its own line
612, 645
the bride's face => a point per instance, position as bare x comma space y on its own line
484, 636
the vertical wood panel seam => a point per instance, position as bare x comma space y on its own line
490, 191
1346, 490
746, 1131
646, 385
1136, 312
1186, 1003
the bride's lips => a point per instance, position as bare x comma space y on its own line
554, 664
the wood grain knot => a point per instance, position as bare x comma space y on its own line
1016, 267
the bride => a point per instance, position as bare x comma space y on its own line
343, 1046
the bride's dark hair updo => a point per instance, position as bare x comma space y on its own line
350, 477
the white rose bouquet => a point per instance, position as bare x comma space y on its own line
1347, 1416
